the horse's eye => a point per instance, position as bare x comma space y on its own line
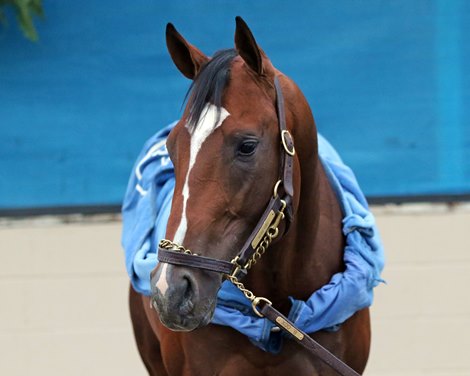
247, 148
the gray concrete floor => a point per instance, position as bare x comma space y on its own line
63, 290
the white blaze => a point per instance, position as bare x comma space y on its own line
206, 124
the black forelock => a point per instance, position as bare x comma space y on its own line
208, 86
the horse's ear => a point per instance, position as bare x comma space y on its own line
246, 46
187, 58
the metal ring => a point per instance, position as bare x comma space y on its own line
273, 232
255, 302
276, 187
291, 152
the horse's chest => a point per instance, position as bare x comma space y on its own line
220, 351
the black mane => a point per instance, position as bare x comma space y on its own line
209, 84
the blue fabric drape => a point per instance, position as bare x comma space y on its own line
146, 209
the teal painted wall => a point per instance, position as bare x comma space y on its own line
388, 82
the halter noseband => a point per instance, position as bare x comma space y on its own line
267, 228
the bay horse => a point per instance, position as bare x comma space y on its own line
226, 155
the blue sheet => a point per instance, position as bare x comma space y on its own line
146, 209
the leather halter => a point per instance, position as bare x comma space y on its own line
265, 231
175, 254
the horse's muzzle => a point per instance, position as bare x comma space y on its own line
180, 307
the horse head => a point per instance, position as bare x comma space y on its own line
226, 154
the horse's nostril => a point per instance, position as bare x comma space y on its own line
188, 288
187, 304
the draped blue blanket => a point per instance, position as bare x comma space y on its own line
146, 209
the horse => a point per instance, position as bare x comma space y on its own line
226, 154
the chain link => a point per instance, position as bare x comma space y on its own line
271, 234
248, 294
168, 244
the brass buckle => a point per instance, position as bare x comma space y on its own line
256, 301
285, 133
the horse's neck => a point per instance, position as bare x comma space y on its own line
315, 248
307, 256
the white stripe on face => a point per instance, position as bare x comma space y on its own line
206, 124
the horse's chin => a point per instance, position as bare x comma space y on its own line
185, 323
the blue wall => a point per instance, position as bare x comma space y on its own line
388, 82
